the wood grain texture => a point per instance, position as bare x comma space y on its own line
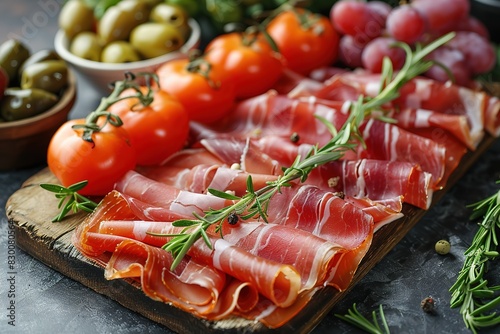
31, 209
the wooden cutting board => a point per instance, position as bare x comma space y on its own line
31, 209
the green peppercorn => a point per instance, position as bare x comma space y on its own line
442, 247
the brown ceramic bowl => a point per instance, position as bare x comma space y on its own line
24, 143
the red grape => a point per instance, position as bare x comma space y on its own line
381, 8
473, 24
455, 63
406, 24
375, 51
355, 18
478, 51
442, 15
350, 51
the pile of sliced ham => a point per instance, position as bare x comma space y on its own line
318, 231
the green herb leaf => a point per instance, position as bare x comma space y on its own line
471, 291
70, 200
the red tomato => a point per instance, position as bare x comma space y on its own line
103, 162
199, 89
306, 40
157, 130
246, 59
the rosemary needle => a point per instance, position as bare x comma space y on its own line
69, 199
254, 203
471, 292
354, 317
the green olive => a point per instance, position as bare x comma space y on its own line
23, 103
119, 52
175, 15
76, 17
42, 55
13, 54
86, 45
154, 39
118, 21
49, 75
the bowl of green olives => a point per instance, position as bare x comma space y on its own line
37, 92
129, 36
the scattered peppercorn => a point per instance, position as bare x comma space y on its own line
428, 305
294, 137
442, 247
232, 219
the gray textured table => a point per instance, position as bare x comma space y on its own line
48, 302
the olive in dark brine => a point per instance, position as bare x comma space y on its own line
13, 54
42, 55
19, 103
49, 75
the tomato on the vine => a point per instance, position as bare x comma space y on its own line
248, 60
200, 89
102, 159
306, 40
156, 130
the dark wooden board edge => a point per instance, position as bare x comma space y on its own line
58, 253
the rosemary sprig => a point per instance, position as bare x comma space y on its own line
354, 317
471, 292
69, 199
254, 203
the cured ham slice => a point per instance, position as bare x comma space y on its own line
421, 93
294, 84
273, 114
244, 152
383, 212
278, 282
201, 178
378, 180
328, 216
325, 214
164, 195
492, 116
192, 287
385, 141
454, 150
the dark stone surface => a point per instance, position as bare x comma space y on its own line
48, 302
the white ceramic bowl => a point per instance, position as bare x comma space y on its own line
102, 74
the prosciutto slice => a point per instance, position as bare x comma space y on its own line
426, 94
278, 282
367, 178
306, 208
273, 114
191, 287
385, 141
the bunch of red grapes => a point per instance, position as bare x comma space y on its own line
369, 30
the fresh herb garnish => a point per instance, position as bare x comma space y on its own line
255, 202
70, 200
357, 319
471, 292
